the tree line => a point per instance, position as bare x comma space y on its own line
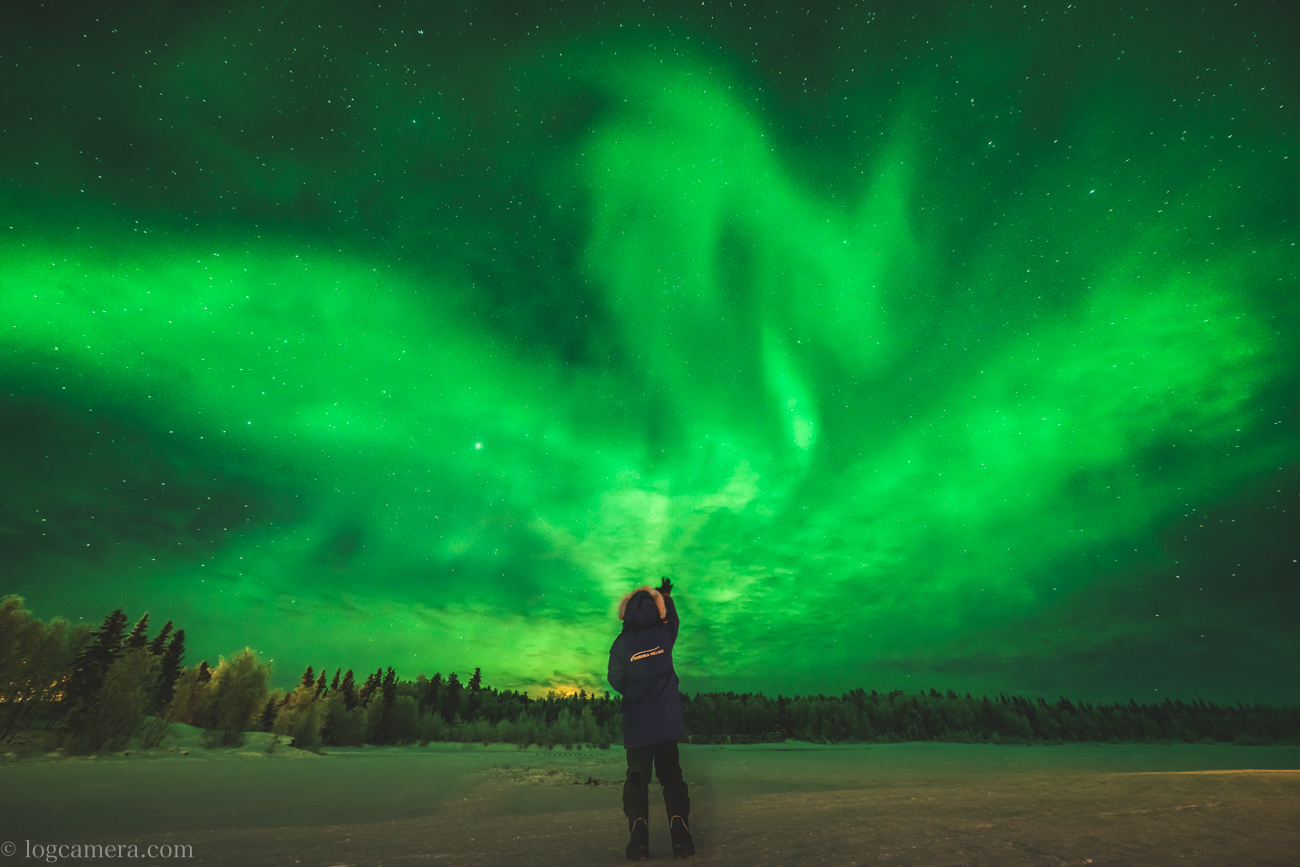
859, 716
84, 690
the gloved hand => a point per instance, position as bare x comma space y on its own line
666, 588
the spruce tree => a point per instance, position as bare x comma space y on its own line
309, 678
320, 684
387, 696
475, 685
266, 718
91, 665
451, 702
390, 687
169, 670
431, 694
159, 645
205, 673
334, 687
137, 638
371, 684
349, 688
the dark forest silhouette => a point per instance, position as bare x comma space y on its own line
85, 690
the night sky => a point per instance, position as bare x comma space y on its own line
921, 344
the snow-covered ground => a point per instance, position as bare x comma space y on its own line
791, 803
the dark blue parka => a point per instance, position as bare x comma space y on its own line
641, 668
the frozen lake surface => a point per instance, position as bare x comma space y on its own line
792, 803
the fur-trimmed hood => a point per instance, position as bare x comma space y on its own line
654, 594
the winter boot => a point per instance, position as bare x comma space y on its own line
638, 848
683, 845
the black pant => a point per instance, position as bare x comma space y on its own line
636, 791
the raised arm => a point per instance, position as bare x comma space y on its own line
672, 621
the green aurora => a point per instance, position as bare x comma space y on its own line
920, 346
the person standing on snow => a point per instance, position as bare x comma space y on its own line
641, 670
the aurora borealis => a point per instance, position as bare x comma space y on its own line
922, 345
